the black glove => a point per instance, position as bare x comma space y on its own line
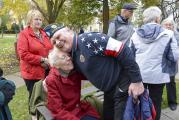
8, 91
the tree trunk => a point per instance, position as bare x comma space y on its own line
105, 16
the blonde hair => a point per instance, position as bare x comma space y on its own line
31, 14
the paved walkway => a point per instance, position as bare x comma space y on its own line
167, 114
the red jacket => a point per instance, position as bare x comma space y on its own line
64, 97
30, 50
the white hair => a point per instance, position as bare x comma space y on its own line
53, 57
151, 14
171, 21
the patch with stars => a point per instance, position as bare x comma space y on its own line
101, 44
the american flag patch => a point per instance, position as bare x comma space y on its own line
113, 47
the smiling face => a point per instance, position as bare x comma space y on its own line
34, 19
36, 22
63, 39
65, 61
60, 60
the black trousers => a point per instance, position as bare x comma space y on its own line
30, 84
108, 105
115, 100
171, 91
155, 93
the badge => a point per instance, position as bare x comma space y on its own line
53, 26
82, 58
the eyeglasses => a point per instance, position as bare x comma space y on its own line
64, 57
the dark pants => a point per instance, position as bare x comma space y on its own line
108, 105
115, 100
88, 118
120, 104
30, 84
155, 93
171, 91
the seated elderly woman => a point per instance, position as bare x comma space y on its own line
64, 86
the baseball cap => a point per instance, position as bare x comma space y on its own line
129, 6
52, 28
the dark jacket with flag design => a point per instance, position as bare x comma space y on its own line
101, 59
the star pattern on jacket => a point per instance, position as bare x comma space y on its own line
100, 44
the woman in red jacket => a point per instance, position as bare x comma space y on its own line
33, 47
64, 86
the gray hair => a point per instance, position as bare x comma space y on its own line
151, 14
53, 57
169, 20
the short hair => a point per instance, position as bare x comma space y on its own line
168, 20
31, 14
53, 57
151, 14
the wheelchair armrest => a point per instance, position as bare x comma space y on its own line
43, 110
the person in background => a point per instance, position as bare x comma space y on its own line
171, 86
64, 90
120, 28
153, 47
33, 47
92, 55
81, 31
7, 91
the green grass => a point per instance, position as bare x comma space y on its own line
164, 101
19, 104
8, 61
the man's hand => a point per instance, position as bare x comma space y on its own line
136, 89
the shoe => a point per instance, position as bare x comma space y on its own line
173, 107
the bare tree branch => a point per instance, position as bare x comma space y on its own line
38, 7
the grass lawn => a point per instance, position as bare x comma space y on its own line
19, 104
19, 108
8, 60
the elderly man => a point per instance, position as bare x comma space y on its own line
121, 28
154, 48
104, 61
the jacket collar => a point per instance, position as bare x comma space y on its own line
66, 80
31, 32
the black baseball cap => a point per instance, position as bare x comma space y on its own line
129, 6
52, 28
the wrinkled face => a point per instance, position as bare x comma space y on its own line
168, 26
64, 61
63, 39
36, 22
